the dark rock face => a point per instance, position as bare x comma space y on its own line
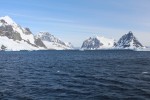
39, 42
3, 47
128, 40
91, 43
2, 21
8, 31
27, 31
30, 43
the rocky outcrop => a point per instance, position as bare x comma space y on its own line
27, 31
3, 47
39, 42
7, 30
91, 43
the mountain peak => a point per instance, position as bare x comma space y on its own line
98, 42
44, 33
52, 42
97, 36
8, 20
130, 33
129, 41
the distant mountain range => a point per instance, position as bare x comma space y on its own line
127, 41
13, 37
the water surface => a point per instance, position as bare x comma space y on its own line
75, 75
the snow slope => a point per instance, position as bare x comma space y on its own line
51, 42
107, 42
11, 45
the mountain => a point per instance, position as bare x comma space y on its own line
94, 43
128, 41
14, 37
51, 42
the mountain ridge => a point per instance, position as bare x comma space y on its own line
127, 41
51, 41
14, 37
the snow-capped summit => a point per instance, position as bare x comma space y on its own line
14, 37
46, 36
128, 41
51, 42
8, 20
12, 28
98, 42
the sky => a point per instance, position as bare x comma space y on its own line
76, 20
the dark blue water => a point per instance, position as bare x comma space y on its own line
75, 75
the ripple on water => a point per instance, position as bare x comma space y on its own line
75, 75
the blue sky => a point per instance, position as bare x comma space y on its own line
76, 20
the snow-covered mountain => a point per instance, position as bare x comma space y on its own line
51, 42
95, 43
13, 37
129, 41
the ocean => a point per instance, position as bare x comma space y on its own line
75, 75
